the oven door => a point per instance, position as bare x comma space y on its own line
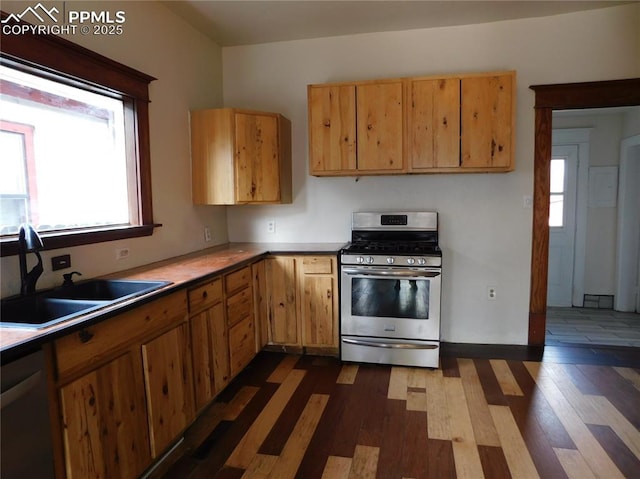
388, 302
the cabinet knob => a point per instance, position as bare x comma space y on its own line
204, 294
85, 336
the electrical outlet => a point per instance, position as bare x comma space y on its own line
492, 293
271, 226
122, 253
207, 234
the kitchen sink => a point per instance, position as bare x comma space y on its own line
106, 289
35, 312
64, 303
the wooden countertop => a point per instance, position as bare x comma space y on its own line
182, 271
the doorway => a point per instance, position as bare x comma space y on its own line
587, 203
612, 93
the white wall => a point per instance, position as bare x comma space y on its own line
187, 66
485, 230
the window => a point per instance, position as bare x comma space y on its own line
74, 136
557, 191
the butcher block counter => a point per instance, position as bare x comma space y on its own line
182, 272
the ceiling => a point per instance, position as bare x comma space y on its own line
240, 22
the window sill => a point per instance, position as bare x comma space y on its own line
9, 246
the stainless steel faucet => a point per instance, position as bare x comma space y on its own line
29, 241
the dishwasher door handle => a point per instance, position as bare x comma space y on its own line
20, 390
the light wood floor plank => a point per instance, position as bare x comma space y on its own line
465, 450
505, 377
620, 425
337, 468
574, 464
260, 467
365, 462
239, 401
597, 459
630, 375
484, 431
515, 450
280, 373
417, 401
398, 383
417, 378
347, 374
437, 410
255, 436
295, 447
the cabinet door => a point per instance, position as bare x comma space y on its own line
332, 128
205, 346
318, 300
380, 126
487, 121
281, 300
257, 158
105, 422
219, 334
169, 386
242, 344
434, 124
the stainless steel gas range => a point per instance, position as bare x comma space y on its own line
390, 289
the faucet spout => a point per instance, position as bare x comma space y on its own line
29, 241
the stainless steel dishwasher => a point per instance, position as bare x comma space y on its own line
25, 439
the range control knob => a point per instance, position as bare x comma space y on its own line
390, 260
359, 259
421, 261
369, 260
411, 261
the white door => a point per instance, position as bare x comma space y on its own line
562, 224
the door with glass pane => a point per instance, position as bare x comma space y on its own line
562, 225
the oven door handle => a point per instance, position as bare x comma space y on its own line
388, 345
395, 273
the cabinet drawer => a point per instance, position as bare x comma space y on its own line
237, 280
242, 345
317, 265
239, 306
206, 295
85, 349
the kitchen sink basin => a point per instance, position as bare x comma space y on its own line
64, 303
106, 289
35, 312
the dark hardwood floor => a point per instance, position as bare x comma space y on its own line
492, 412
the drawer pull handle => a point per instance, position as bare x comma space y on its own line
85, 336
205, 294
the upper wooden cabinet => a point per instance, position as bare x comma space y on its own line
487, 121
445, 124
433, 124
332, 128
356, 128
240, 156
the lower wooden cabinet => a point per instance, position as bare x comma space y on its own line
210, 350
302, 301
104, 419
169, 386
223, 338
209, 341
124, 390
318, 296
240, 319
